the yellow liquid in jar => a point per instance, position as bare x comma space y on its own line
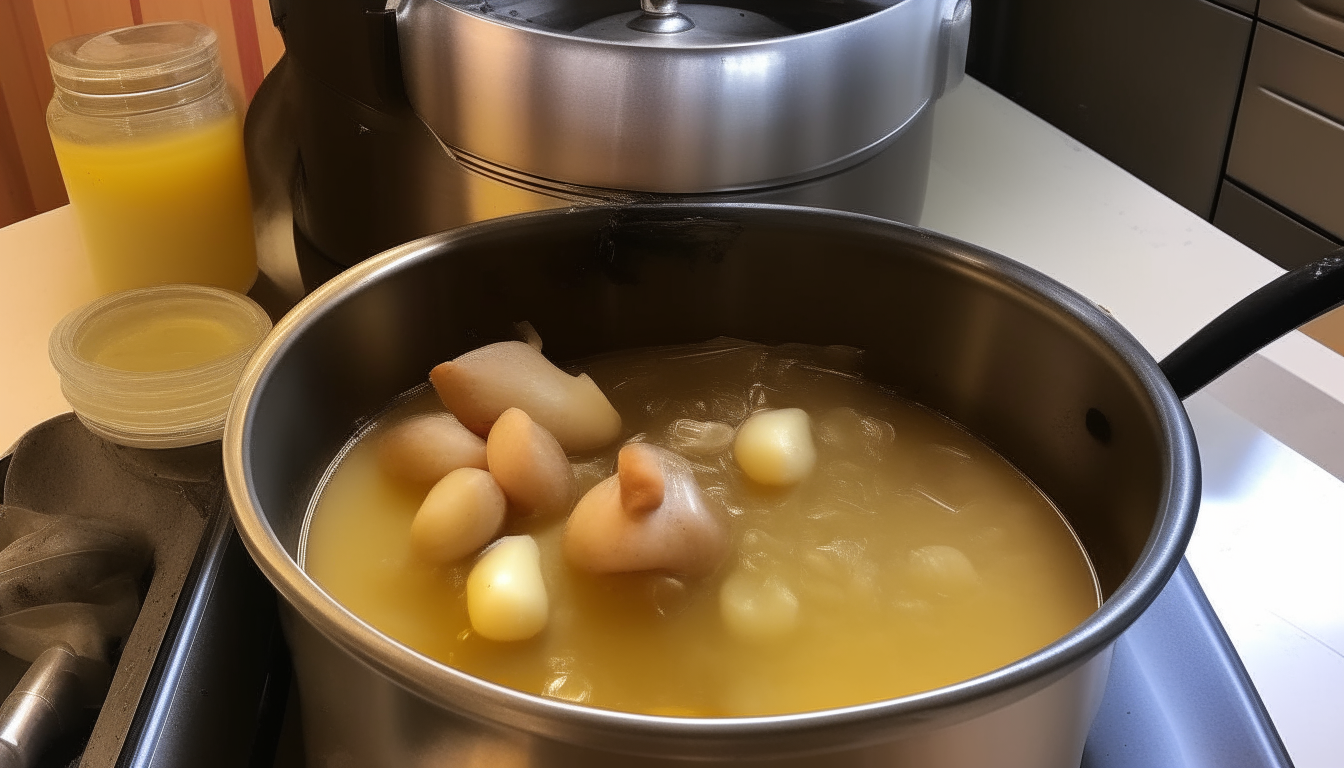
892, 480
167, 208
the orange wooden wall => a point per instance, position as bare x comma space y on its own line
30, 182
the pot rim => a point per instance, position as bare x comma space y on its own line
775, 734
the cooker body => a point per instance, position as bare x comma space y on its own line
386, 122
518, 87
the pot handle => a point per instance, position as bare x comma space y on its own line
1281, 306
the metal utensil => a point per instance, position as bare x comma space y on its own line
69, 594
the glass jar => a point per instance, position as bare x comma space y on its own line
150, 145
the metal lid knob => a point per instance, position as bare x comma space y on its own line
660, 17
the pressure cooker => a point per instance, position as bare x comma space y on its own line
388, 120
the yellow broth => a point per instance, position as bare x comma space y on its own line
874, 621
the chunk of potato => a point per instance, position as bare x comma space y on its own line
482, 384
650, 515
425, 448
775, 447
506, 596
530, 466
461, 514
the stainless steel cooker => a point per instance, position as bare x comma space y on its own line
387, 121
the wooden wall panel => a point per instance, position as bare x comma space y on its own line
268, 37
15, 201
60, 19
1328, 329
215, 14
30, 181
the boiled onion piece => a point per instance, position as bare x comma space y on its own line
650, 515
482, 384
700, 438
943, 569
757, 609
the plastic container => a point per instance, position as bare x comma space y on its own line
156, 367
150, 145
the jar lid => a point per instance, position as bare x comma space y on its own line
147, 57
156, 367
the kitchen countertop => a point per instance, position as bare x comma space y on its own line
1266, 546
1005, 180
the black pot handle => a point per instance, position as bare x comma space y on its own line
1252, 323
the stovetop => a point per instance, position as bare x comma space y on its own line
218, 689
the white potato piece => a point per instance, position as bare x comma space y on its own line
757, 609
775, 447
946, 570
425, 448
651, 515
461, 514
482, 384
506, 596
531, 467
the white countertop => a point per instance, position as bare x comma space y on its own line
1005, 180
1267, 548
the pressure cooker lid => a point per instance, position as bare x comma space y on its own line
663, 23
669, 23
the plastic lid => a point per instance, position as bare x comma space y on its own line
137, 59
157, 367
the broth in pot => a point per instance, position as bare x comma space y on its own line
844, 545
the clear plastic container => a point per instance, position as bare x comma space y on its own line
150, 145
157, 367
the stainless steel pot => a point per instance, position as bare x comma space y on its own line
580, 93
1041, 373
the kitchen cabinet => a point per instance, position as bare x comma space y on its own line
1150, 84
1288, 145
1269, 230
1231, 108
1321, 21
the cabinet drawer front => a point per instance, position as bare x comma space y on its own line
1274, 235
1289, 139
1319, 20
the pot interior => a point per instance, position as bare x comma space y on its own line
1039, 373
